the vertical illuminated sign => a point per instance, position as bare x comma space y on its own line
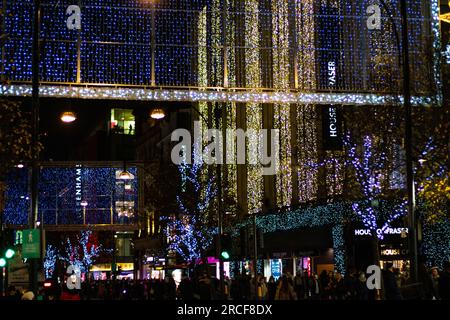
78, 189
276, 267
330, 44
332, 128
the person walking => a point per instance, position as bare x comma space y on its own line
186, 289
362, 292
314, 287
285, 291
298, 285
339, 288
271, 288
444, 283
391, 289
434, 276
324, 282
262, 288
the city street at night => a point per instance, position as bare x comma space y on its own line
221, 156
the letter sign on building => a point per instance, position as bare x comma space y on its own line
374, 20
374, 279
74, 20
332, 132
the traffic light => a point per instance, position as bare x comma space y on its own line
6, 255
7, 250
226, 243
9, 253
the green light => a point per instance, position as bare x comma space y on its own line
2, 262
225, 255
9, 253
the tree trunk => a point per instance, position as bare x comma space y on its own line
376, 261
2, 202
375, 250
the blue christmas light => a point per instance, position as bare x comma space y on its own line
436, 243
114, 43
78, 254
188, 233
51, 255
58, 194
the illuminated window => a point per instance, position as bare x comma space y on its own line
122, 121
125, 209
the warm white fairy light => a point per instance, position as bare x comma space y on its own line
110, 93
281, 80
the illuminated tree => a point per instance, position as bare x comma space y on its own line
51, 255
82, 253
432, 172
190, 232
15, 140
15, 136
369, 170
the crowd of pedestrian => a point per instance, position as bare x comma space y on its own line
304, 285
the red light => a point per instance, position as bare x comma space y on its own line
47, 284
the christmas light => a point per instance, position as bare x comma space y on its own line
188, 233
110, 93
81, 254
51, 256
114, 47
436, 243
319, 216
57, 195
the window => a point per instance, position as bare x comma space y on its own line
122, 121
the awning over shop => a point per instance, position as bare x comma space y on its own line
311, 240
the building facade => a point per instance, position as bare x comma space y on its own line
265, 64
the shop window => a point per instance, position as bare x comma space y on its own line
122, 122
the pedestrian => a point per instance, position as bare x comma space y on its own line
362, 292
314, 288
227, 288
204, 287
338, 287
169, 288
324, 281
298, 284
186, 289
444, 283
285, 290
434, 276
271, 288
391, 289
425, 278
262, 288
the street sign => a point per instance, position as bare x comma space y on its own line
31, 246
17, 271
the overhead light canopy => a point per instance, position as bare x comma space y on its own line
422, 161
158, 114
68, 117
125, 175
445, 17
84, 203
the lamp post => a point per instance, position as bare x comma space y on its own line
412, 240
159, 114
84, 204
33, 213
218, 115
